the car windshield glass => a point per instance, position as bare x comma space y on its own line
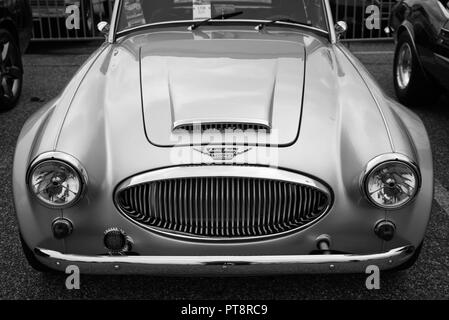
135, 13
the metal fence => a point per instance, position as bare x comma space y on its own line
366, 19
49, 18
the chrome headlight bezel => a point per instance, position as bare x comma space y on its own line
66, 160
393, 158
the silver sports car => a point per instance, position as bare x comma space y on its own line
222, 137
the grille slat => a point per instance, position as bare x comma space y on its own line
234, 218
254, 207
201, 205
262, 214
223, 207
185, 205
163, 202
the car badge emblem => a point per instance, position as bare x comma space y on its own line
223, 153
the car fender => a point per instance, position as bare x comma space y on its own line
39, 135
413, 126
35, 228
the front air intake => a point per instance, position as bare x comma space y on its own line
223, 207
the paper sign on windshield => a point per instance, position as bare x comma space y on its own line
133, 13
201, 9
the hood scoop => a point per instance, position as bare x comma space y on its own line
253, 86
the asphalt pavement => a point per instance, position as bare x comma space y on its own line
47, 71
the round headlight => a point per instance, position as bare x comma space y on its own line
392, 184
55, 183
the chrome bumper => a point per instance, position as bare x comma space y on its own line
224, 265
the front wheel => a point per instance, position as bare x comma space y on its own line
11, 72
412, 86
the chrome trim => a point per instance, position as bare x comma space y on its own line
223, 171
269, 264
67, 159
444, 9
330, 22
113, 34
340, 28
445, 59
126, 31
389, 157
114, 21
207, 122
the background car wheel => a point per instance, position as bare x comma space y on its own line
410, 262
32, 260
411, 84
11, 71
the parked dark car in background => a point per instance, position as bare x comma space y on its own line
15, 33
421, 64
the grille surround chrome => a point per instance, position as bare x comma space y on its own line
223, 171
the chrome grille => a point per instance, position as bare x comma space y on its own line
223, 207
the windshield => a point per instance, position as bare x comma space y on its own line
134, 13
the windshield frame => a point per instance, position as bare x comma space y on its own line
114, 34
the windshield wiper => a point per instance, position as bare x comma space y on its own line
218, 16
264, 24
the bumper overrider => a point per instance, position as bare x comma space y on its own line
225, 265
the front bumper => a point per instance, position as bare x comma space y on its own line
225, 265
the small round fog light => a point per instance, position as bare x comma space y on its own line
115, 240
62, 228
385, 230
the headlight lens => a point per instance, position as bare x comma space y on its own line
55, 183
392, 184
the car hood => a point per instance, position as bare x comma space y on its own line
255, 82
321, 112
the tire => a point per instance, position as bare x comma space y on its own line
412, 86
410, 262
32, 260
11, 71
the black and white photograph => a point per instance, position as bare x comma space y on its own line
214, 151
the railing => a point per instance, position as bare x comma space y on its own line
52, 18
366, 18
